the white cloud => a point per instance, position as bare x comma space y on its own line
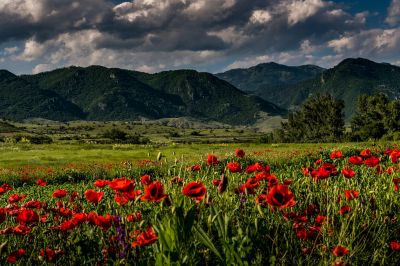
249, 62
260, 17
32, 51
11, 50
300, 10
342, 43
393, 17
25, 8
41, 68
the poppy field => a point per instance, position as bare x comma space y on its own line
330, 207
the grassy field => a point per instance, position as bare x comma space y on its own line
264, 209
187, 199
15, 155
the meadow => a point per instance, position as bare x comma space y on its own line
193, 197
199, 204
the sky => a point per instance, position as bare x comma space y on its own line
205, 35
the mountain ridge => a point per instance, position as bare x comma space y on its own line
100, 93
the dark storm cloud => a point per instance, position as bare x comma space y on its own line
189, 31
168, 25
45, 19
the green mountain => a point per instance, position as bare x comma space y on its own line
347, 80
289, 87
99, 93
20, 99
205, 95
268, 77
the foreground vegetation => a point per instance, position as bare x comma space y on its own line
301, 207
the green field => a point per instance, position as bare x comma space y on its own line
58, 154
276, 214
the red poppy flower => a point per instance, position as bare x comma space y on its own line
372, 161
101, 183
366, 153
41, 182
250, 185
257, 167
194, 190
4, 188
176, 180
395, 246
122, 184
93, 196
134, 217
344, 210
351, 194
390, 170
348, 172
319, 161
154, 192
240, 153
356, 160
79, 218
65, 212
59, 193
33, 204
146, 180
74, 195
262, 200
14, 256
48, 254
131, 195
396, 182
280, 196
273, 181
145, 238
320, 173
212, 160
104, 222
336, 155
234, 167
320, 219
21, 230
66, 225
339, 251
27, 217
120, 199
15, 198
395, 155
196, 167
216, 182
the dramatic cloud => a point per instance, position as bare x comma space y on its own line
208, 35
393, 17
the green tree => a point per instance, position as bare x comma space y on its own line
319, 119
375, 117
371, 119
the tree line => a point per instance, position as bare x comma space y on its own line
321, 119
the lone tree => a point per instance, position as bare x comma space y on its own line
319, 119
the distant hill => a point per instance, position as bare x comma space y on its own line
20, 99
205, 95
268, 77
99, 93
347, 80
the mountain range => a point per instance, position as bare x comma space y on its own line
99, 93
288, 87
236, 97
